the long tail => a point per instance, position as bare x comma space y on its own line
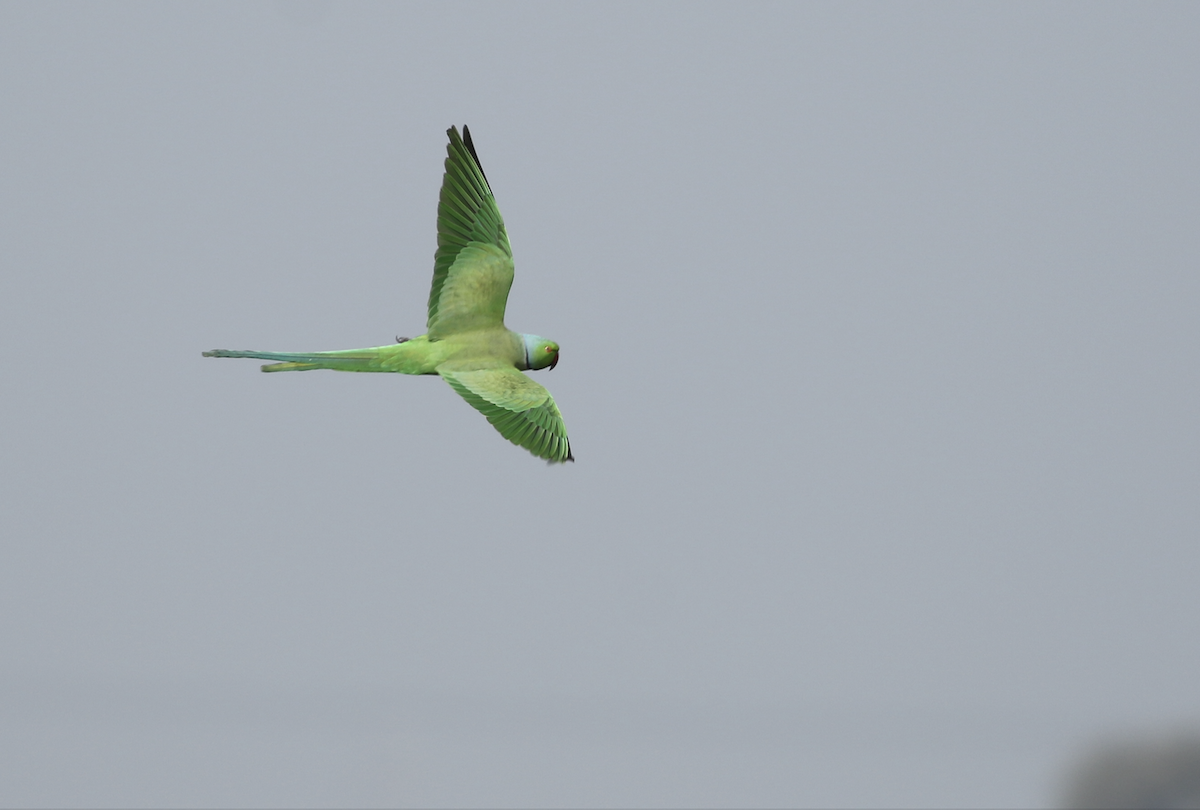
350, 360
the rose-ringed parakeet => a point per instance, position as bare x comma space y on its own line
467, 342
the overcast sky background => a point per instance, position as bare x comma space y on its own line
880, 357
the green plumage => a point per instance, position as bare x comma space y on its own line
467, 342
473, 267
519, 408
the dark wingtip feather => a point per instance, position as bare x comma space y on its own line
471, 148
552, 461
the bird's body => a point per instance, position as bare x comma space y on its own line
467, 342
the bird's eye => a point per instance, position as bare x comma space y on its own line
549, 349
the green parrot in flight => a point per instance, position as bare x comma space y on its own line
467, 343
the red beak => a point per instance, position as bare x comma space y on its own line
554, 362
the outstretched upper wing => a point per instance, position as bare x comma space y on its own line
473, 266
523, 411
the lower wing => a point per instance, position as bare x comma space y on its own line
523, 411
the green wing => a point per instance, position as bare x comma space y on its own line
473, 266
523, 411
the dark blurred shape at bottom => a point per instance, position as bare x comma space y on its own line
1141, 773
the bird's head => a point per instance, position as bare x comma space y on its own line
540, 352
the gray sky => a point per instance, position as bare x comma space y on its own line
880, 352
